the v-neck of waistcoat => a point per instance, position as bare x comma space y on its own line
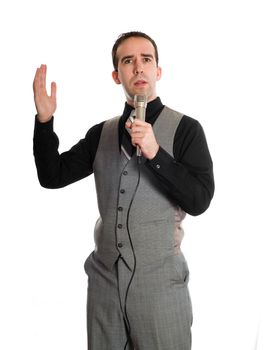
158, 124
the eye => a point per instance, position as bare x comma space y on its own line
147, 59
128, 61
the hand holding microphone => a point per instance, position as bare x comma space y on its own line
142, 132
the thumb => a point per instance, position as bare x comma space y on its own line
53, 90
128, 125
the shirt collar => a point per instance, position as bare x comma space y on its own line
152, 110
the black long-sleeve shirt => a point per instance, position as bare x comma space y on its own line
187, 178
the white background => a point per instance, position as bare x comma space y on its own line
213, 56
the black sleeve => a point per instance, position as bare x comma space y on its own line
188, 177
58, 170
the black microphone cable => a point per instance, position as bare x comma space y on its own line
132, 246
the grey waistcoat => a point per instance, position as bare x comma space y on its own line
153, 221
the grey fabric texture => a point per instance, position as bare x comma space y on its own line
152, 212
138, 297
157, 306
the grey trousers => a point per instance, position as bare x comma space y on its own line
148, 311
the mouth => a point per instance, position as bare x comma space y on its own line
140, 83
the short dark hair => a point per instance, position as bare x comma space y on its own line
124, 36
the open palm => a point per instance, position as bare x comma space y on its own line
45, 104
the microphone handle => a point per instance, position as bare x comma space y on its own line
140, 113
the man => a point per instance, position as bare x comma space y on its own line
137, 275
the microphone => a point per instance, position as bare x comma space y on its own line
140, 102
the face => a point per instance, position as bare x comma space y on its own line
137, 68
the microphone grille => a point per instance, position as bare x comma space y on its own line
140, 101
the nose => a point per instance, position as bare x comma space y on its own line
138, 67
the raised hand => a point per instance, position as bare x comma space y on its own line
45, 105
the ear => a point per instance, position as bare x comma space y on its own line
159, 72
115, 76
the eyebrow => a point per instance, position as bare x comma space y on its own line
131, 56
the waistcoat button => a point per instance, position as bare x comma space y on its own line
120, 245
122, 191
119, 225
120, 208
125, 172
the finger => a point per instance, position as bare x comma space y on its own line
43, 75
40, 77
36, 78
139, 122
137, 129
38, 84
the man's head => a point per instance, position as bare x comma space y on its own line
135, 60
125, 36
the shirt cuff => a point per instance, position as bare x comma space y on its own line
44, 127
162, 161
